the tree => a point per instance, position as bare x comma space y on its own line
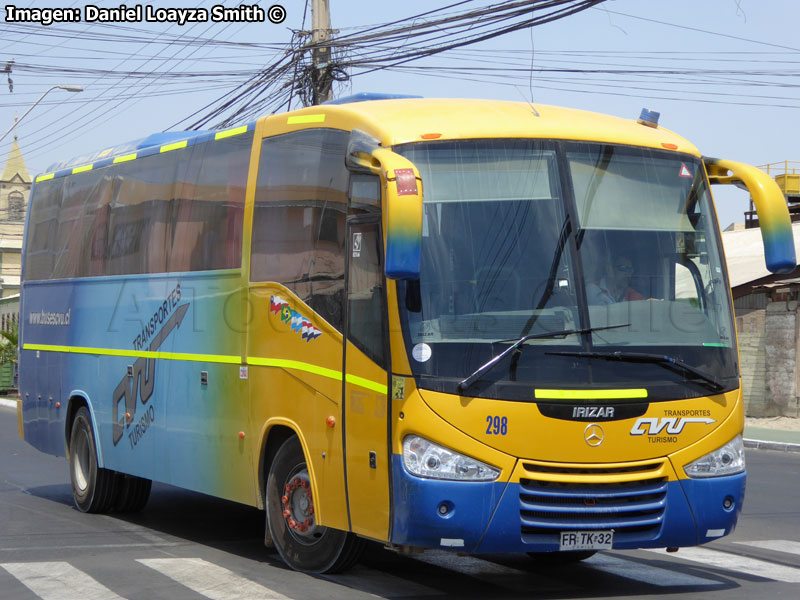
8, 344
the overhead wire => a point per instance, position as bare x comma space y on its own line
127, 94
437, 35
405, 45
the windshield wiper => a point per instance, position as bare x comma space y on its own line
668, 362
485, 368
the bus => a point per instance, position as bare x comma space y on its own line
479, 326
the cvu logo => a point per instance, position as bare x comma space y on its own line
140, 381
671, 425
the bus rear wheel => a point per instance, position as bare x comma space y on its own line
132, 493
93, 488
301, 543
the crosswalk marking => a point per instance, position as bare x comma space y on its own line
210, 580
59, 581
786, 546
649, 574
742, 564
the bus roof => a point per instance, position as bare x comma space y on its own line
156, 139
398, 121
153, 144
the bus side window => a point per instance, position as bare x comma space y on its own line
299, 218
42, 227
365, 292
207, 209
365, 194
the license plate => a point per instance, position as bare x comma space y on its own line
586, 540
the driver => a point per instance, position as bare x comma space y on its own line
615, 285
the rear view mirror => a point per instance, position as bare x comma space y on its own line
773, 214
402, 202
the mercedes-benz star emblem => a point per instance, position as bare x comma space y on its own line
593, 434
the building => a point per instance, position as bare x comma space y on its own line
15, 186
9, 315
766, 308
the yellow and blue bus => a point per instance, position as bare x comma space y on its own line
474, 325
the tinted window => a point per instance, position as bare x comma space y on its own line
365, 292
43, 224
299, 218
176, 211
208, 207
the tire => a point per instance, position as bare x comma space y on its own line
132, 493
302, 544
93, 488
555, 559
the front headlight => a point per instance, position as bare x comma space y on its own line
426, 459
727, 460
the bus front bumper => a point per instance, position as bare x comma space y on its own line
495, 517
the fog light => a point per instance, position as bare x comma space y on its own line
728, 503
446, 509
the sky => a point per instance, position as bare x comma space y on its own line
724, 74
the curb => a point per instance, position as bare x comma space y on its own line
776, 446
8, 403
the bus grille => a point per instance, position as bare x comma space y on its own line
556, 498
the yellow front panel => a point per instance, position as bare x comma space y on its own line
412, 415
663, 429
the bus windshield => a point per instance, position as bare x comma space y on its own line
531, 237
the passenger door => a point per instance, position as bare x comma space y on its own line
365, 383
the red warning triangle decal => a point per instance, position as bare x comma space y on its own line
684, 171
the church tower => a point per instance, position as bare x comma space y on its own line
15, 187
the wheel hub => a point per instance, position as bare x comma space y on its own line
298, 507
81, 464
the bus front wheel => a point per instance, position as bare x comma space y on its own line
93, 488
301, 543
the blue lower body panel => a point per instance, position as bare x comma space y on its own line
496, 517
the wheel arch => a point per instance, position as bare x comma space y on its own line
77, 399
274, 434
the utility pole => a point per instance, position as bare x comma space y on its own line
321, 79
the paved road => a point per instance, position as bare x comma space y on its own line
187, 546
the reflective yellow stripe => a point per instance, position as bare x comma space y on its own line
82, 169
216, 358
125, 158
589, 394
45, 177
316, 370
230, 132
299, 119
175, 146
295, 364
366, 383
